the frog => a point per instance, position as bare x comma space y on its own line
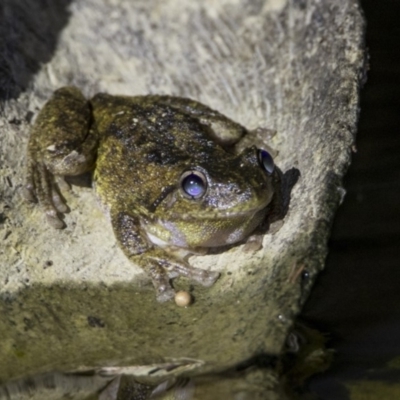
166, 170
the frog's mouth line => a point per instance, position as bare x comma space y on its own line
187, 231
228, 214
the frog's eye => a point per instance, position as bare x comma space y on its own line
266, 161
193, 184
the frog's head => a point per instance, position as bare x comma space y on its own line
217, 201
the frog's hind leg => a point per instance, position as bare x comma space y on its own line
62, 143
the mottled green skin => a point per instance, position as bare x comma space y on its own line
139, 147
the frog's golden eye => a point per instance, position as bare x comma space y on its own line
193, 184
266, 161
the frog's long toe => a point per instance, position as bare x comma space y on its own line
202, 276
28, 193
53, 220
161, 282
205, 278
28, 189
165, 294
39, 187
58, 201
164, 289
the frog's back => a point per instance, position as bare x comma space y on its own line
144, 145
143, 119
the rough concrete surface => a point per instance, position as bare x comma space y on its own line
69, 299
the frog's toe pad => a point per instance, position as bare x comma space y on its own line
54, 220
207, 278
165, 294
58, 202
28, 194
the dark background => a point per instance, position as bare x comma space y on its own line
357, 297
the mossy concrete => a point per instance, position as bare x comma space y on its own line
69, 300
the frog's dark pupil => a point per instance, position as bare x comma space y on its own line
266, 161
193, 185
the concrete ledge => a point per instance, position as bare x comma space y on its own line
69, 299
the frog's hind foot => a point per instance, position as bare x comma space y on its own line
40, 187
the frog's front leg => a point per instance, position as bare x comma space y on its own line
160, 265
61, 143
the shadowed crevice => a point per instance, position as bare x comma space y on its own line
29, 31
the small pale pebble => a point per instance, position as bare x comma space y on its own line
182, 298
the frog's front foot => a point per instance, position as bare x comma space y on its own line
162, 271
161, 282
40, 187
165, 293
205, 278
165, 290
